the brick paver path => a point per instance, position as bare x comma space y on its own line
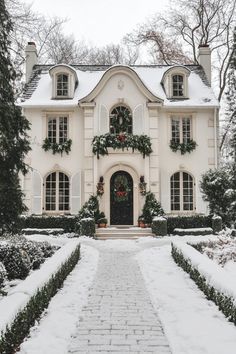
119, 316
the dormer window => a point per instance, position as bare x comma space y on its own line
64, 81
62, 85
178, 85
175, 82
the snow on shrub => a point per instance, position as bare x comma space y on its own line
3, 274
16, 262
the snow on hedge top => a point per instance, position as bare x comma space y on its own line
21, 294
215, 275
39, 90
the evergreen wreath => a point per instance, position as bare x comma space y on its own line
57, 148
101, 143
183, 147
120, 122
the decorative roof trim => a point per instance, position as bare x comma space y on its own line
121, 69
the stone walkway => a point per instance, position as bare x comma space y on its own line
119, 316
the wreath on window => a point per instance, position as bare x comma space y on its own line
57, 148
121, 189
121, 119
183, 147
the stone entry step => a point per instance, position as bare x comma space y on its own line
129, 233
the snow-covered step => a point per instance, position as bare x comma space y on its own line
122, 233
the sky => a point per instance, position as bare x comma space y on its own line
99, 22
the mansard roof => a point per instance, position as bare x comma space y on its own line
92, 79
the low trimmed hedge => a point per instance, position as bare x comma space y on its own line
225, 303
49, 222
14, 334
188, 222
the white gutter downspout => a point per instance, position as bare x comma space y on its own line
215, 136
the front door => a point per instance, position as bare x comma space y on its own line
121, 198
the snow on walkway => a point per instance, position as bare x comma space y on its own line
193, 324
119, 316
52, 335
117, 313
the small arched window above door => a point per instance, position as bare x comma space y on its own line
121, 120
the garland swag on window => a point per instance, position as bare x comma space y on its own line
101, 143
183, 147
57, 148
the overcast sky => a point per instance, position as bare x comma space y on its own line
99, 21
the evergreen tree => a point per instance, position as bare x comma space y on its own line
151, 208
14, 142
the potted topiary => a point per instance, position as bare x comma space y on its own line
102, 222
141, 221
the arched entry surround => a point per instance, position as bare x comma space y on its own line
105, 205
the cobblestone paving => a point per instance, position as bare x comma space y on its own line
119, 316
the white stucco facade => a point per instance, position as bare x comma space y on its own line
88, 112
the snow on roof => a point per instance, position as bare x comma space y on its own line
38, 91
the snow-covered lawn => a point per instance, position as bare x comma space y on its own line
193, 324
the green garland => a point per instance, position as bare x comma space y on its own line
57, 148
183, 147
101, 143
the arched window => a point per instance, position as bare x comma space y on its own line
121, 120
182, 198
57, 192
62, 85
178, 85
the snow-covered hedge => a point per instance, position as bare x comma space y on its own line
67, 223
214, 281
159, 226
187, 222
3, 273
26, 302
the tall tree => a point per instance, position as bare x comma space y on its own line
230, 114
14, 142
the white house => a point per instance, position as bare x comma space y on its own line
172, 107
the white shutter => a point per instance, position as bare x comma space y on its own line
37, 193
76, 193
138, 123
103, 120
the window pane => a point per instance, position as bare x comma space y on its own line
175, 191
63, 129
64, 191
175, 130
50, 200
52, 130
62, 85
186, 127
187, 191
177, 85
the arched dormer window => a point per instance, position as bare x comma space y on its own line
64, 81
62, 85
121, 120
177, 86
175, 82
182, 192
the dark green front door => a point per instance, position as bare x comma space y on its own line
121, 198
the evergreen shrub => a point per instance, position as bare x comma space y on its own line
3, 274
216, 224
159, 226
49, 222
19, 329
225, 303
188, 222
151, 208
16, 262
87, 227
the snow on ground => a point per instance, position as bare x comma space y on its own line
53, 332
193, 324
